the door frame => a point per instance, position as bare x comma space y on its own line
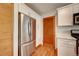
54, 33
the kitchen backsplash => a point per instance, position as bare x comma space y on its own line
65, 30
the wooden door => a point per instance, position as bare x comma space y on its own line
49, 31
6, 29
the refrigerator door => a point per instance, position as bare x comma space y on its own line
25, 34
28, 49
33, 29
29, 27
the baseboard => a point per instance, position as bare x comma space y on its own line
39, 45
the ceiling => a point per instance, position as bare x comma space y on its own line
43, 8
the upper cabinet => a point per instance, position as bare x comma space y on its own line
76, 8
65, 14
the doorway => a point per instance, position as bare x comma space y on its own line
49, 31
48, 47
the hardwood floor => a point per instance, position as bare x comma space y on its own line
45, 50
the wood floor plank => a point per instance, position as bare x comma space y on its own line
45, 50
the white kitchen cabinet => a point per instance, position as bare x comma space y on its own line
65, 16
66, 47
76, 8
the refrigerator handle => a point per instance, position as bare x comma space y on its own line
29, 30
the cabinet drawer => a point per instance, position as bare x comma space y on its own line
66, 51
66, 42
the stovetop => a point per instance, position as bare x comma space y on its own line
75, 34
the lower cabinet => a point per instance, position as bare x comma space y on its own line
66, 51
66, 47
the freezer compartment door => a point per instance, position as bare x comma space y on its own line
28, 48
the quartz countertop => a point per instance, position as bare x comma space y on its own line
65, 36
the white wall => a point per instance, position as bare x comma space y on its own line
15, 31
53, 13
39, 25
39, 31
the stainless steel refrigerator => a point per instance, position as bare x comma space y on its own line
26, 35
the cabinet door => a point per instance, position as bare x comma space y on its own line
76, 8
66, 47
65, 16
